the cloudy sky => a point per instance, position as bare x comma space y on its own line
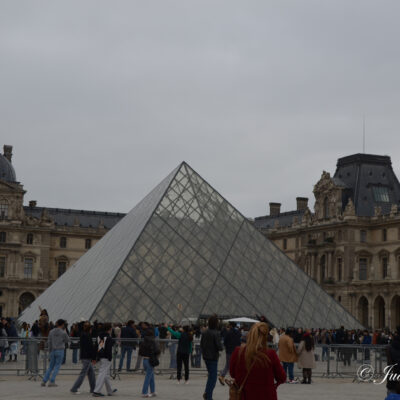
102, 99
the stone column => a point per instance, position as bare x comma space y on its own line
371, 317
388, 313
373, 269
329, 265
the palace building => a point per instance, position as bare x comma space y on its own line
350, 242
38, 244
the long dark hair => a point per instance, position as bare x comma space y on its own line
309, 342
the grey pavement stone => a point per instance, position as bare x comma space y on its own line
129, 387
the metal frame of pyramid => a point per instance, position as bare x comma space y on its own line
182, 252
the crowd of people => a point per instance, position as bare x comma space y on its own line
247, 354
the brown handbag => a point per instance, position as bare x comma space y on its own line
235, 391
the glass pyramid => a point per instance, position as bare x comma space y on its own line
183, 252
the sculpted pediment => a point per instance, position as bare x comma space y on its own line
328, 198
325, 185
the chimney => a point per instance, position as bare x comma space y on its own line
7, 152
32, 203
274, 209
302, 203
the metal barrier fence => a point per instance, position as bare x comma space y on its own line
332, 361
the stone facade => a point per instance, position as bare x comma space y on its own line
353, 255
38, 244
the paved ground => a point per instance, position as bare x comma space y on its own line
129, 387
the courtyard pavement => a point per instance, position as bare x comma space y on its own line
129, 387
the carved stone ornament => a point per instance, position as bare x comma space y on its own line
307, 216
350, 210
377, 211
31, 221
325, 185
393, 210
45, 219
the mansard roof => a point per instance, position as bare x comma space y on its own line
85, 218
369, 181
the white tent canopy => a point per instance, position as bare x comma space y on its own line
243, 320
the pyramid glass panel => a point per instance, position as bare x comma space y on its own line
185, 252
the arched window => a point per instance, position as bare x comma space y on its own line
29, 238
25, 300
62, 267
326, 208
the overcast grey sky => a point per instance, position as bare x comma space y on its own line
102, 99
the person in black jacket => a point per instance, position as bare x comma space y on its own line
231, 341
103, 355
149, 351
184, 350
127, 346
87, 354
393, 362
210, 347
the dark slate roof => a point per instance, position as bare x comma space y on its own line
370, 181
285, 219
87, 219
7, 172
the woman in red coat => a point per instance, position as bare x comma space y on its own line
266, 372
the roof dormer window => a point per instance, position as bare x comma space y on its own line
381, 194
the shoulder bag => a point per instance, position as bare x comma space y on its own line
235, 391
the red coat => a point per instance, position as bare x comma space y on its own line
260, 384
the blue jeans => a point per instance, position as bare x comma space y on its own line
56, 358
172, 352
325, 353
288, 367
149, 378
75, 356
128, 351
226, 369
212, 368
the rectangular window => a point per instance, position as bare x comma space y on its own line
363, 236
2, 267
3, 237
62, 267
363, 269
28, 268
3, 211
63, 242
284, 244
339, 267
88, 244
384, 235
384, 267
381, 194
29, 238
